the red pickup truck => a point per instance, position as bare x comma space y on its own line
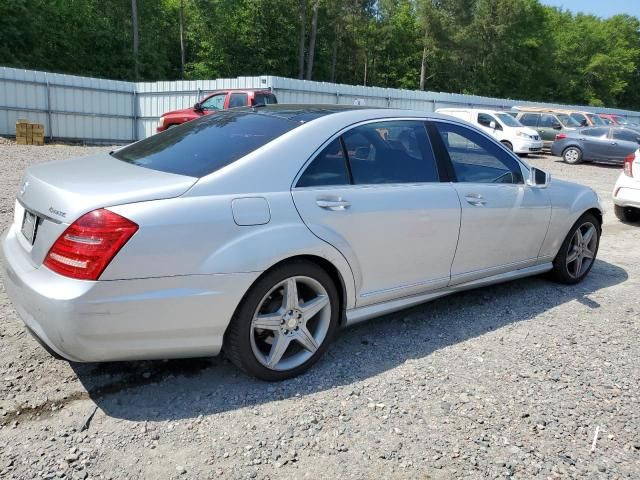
218, 100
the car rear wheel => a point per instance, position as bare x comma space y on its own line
285, 322
627, 214
572, 155
578, 251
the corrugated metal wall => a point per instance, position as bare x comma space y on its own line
107, 111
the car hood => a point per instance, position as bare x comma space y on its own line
184, 111
65, 190
527, 130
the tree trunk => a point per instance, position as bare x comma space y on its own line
312, 40
182, 39
423, 66
302, 12
334, 57
134, 22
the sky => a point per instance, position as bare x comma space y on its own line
601, 8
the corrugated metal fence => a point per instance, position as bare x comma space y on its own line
95, 110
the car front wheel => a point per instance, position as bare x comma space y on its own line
578, 251
285, 322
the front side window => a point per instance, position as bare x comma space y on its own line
238, 100
202, 146
485, 120
567, 121
530, 119
477, 159
580, 118
626, 135
390, 152
328, 168
215, 102
508, 120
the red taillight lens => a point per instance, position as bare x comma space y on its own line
87, 246
560, 136
628, 164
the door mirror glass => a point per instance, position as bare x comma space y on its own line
538, 178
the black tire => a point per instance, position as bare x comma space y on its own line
523, 155
560, 271
237, 342
572, 155
508, 145
627, 214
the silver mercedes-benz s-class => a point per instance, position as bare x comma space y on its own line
263, 231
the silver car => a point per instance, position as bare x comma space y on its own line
264, 231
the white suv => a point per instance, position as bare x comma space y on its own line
626, 193
506, 129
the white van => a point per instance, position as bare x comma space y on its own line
509, 131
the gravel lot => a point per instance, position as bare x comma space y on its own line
508, 381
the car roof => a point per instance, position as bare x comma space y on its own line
300, 113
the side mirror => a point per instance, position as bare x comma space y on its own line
538, 178
638, 139
198, 107
557, 126
492, 125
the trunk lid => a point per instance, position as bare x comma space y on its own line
58, 193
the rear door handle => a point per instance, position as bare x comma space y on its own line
475, 199
333, 204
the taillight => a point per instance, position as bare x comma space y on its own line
628, 164
560, 136
87, 246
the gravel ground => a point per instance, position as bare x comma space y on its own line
508, 381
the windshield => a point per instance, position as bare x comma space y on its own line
202, 146
567, 121
508, 120
595, 119
621, 120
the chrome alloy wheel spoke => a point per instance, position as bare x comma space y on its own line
581, 252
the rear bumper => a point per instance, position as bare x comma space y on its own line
168, 317
626, 193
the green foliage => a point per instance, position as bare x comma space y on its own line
506, 48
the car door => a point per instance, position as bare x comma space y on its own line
375, 193
504, 221
595, 143
484, 120
549, 126
623, 142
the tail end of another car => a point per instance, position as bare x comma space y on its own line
626, 193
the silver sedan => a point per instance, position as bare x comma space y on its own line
264, 231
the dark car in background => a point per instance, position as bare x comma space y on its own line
218, 100
596, 144
547, 123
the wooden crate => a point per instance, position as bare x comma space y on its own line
29, 133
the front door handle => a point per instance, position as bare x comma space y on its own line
614, 143
475, 199
339, 204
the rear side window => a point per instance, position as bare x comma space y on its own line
529, 119
328, 168
595, 132
390, 152
202, 146
264, 99
238, 100
477, 159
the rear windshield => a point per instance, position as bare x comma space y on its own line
203, 146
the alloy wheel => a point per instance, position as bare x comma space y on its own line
582, 249
291, 323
